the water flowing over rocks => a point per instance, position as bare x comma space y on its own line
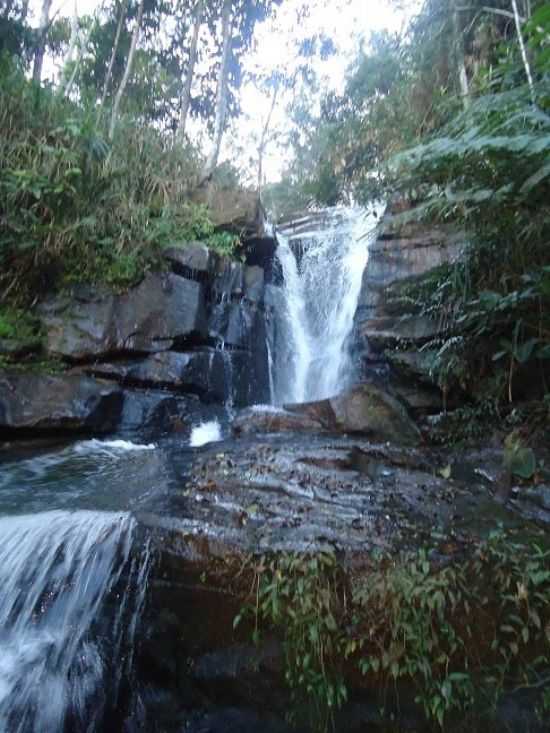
157, 541
195, 329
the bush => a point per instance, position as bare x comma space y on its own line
75, 207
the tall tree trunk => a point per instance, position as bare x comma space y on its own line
523, 51
186, 92
71, 53
82, 46
462, 73
127, 70
109, 74
221, 93
263, 139
41, 42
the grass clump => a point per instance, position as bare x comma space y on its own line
459, 635
18, 325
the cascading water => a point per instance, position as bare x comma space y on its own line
73, 587
322, 261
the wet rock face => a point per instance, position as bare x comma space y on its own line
256, 420
366, 409
69, 403
199, 372
388, 321
197, 330
91, 324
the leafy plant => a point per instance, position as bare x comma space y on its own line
299, 594
461, 634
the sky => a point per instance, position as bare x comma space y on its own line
346, 22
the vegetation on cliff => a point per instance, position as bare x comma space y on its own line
96, 169
453, 116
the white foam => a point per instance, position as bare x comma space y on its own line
206, 432
108, 446
267, 408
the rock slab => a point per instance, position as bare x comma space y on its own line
365, 410
68, 403
91, 323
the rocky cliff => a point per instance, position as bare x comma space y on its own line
392, 339
189, 335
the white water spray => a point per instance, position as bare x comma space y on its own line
322, 269
57, 570
206, 432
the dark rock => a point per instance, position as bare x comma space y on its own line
254, 284
190, 259
413, 364
258, 420
156, 412
388, 331
369, 410
366, 409
418, 398
236, 720
232, 209
199, 372
15, 349
89, 324
37, 403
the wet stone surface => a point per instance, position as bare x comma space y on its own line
320, 492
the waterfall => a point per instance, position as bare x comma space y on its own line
73, 588
321, 260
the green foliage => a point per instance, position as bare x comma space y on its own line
460, 634
299, 594
18, 325
75, 208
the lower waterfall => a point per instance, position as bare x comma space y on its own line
72, 592
321, 260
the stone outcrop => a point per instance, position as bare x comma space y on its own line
194, 329
392, 336
37, 403
199, 372
93, 323
366, 409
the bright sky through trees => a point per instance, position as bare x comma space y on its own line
347, 23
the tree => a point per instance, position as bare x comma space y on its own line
41, 41
127, 70
264, 139
109, 75
185, 101
221, 91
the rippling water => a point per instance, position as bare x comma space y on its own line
73, 577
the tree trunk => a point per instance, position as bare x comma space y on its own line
263, 139
71, 53
462, 73
186, 92
109, 74
41, 42
83, 44
523, 51
127, 70
221, 93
